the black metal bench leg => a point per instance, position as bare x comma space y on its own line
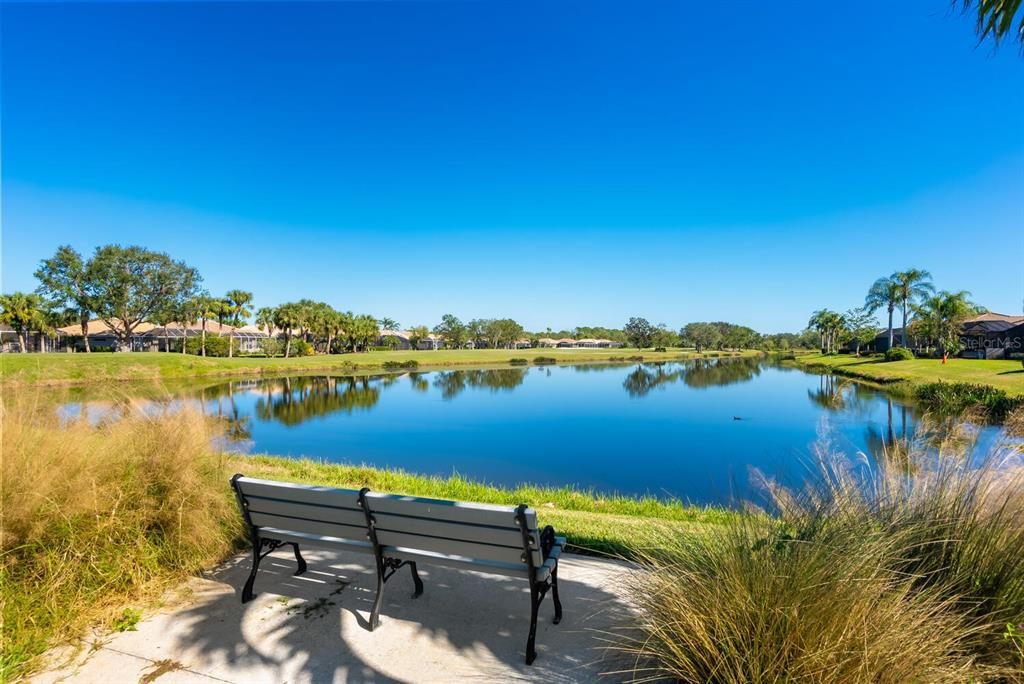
535, 598
416, 580
247, 594
375, 612
299, 559
554, 595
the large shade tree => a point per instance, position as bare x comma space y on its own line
639, 332
127, 285
64, 283
452, 330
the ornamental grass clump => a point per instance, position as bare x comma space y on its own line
101, 515
909, 573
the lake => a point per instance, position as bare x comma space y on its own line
692, 430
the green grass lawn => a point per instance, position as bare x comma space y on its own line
1005, 375
84, 368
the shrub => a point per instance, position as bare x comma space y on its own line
400, 365
215, 346
301, 347
271, 346
956, 397
635, 358
898, 354
844, 579
519, 362
98, 517
544, 360
660, 349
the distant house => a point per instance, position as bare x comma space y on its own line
431, 342
522, 344
547, 342
35, 341
992, 336
102, 337
565, 342
395, 339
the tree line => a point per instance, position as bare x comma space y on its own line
127, 286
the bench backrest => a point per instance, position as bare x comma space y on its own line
305, 509
466, 531
452, 528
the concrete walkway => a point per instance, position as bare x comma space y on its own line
466, 626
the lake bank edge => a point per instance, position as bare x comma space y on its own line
82, 369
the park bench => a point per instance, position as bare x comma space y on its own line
402, 531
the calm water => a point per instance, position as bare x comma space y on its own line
692, 430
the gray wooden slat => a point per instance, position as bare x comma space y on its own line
306, 540
288, 491
483, 534
308, 526
490, 567
329, 514
450, 511
451, 547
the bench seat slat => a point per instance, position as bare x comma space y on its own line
452, 547
314, 527
449, 511
288, 491
328, 514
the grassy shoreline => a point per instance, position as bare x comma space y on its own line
78, 369
1007, 376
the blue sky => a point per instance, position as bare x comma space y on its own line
560, 163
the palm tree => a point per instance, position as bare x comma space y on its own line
914, 285
204, 307
388, 323
238, 301
24, 313
995, 18
942, 316
884, 293
288, 317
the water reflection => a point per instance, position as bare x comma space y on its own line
697, 373
555, 425
453, 383
292, 401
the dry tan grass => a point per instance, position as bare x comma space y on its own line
910, 579
97, 517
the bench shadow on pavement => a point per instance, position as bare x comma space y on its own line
314, 627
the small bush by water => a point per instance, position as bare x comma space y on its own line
544, 360
894, 579
518, 362
898, 354
410, 364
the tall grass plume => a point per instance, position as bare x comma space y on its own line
101, 515
910, 572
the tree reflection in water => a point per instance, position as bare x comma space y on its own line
292, 401
453, 383
698, 373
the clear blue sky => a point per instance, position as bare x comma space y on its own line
560, 163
